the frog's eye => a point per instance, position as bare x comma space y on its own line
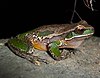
73, 33
79, 31
83, 31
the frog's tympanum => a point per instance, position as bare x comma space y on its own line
52, 39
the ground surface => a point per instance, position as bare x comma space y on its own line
84, 64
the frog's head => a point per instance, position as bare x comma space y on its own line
80, 30
77, 34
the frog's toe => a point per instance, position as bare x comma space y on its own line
64, 54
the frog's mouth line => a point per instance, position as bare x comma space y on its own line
79, 33
78, 36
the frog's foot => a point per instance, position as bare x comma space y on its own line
64, 54
73, 51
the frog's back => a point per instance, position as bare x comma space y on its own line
56, 28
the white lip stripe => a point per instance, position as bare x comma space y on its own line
78, 36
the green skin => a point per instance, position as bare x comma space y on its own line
20, 43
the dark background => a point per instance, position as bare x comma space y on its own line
21, 16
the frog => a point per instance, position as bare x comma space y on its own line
51, 39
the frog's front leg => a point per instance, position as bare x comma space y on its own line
55, 52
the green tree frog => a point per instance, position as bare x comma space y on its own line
50, 38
